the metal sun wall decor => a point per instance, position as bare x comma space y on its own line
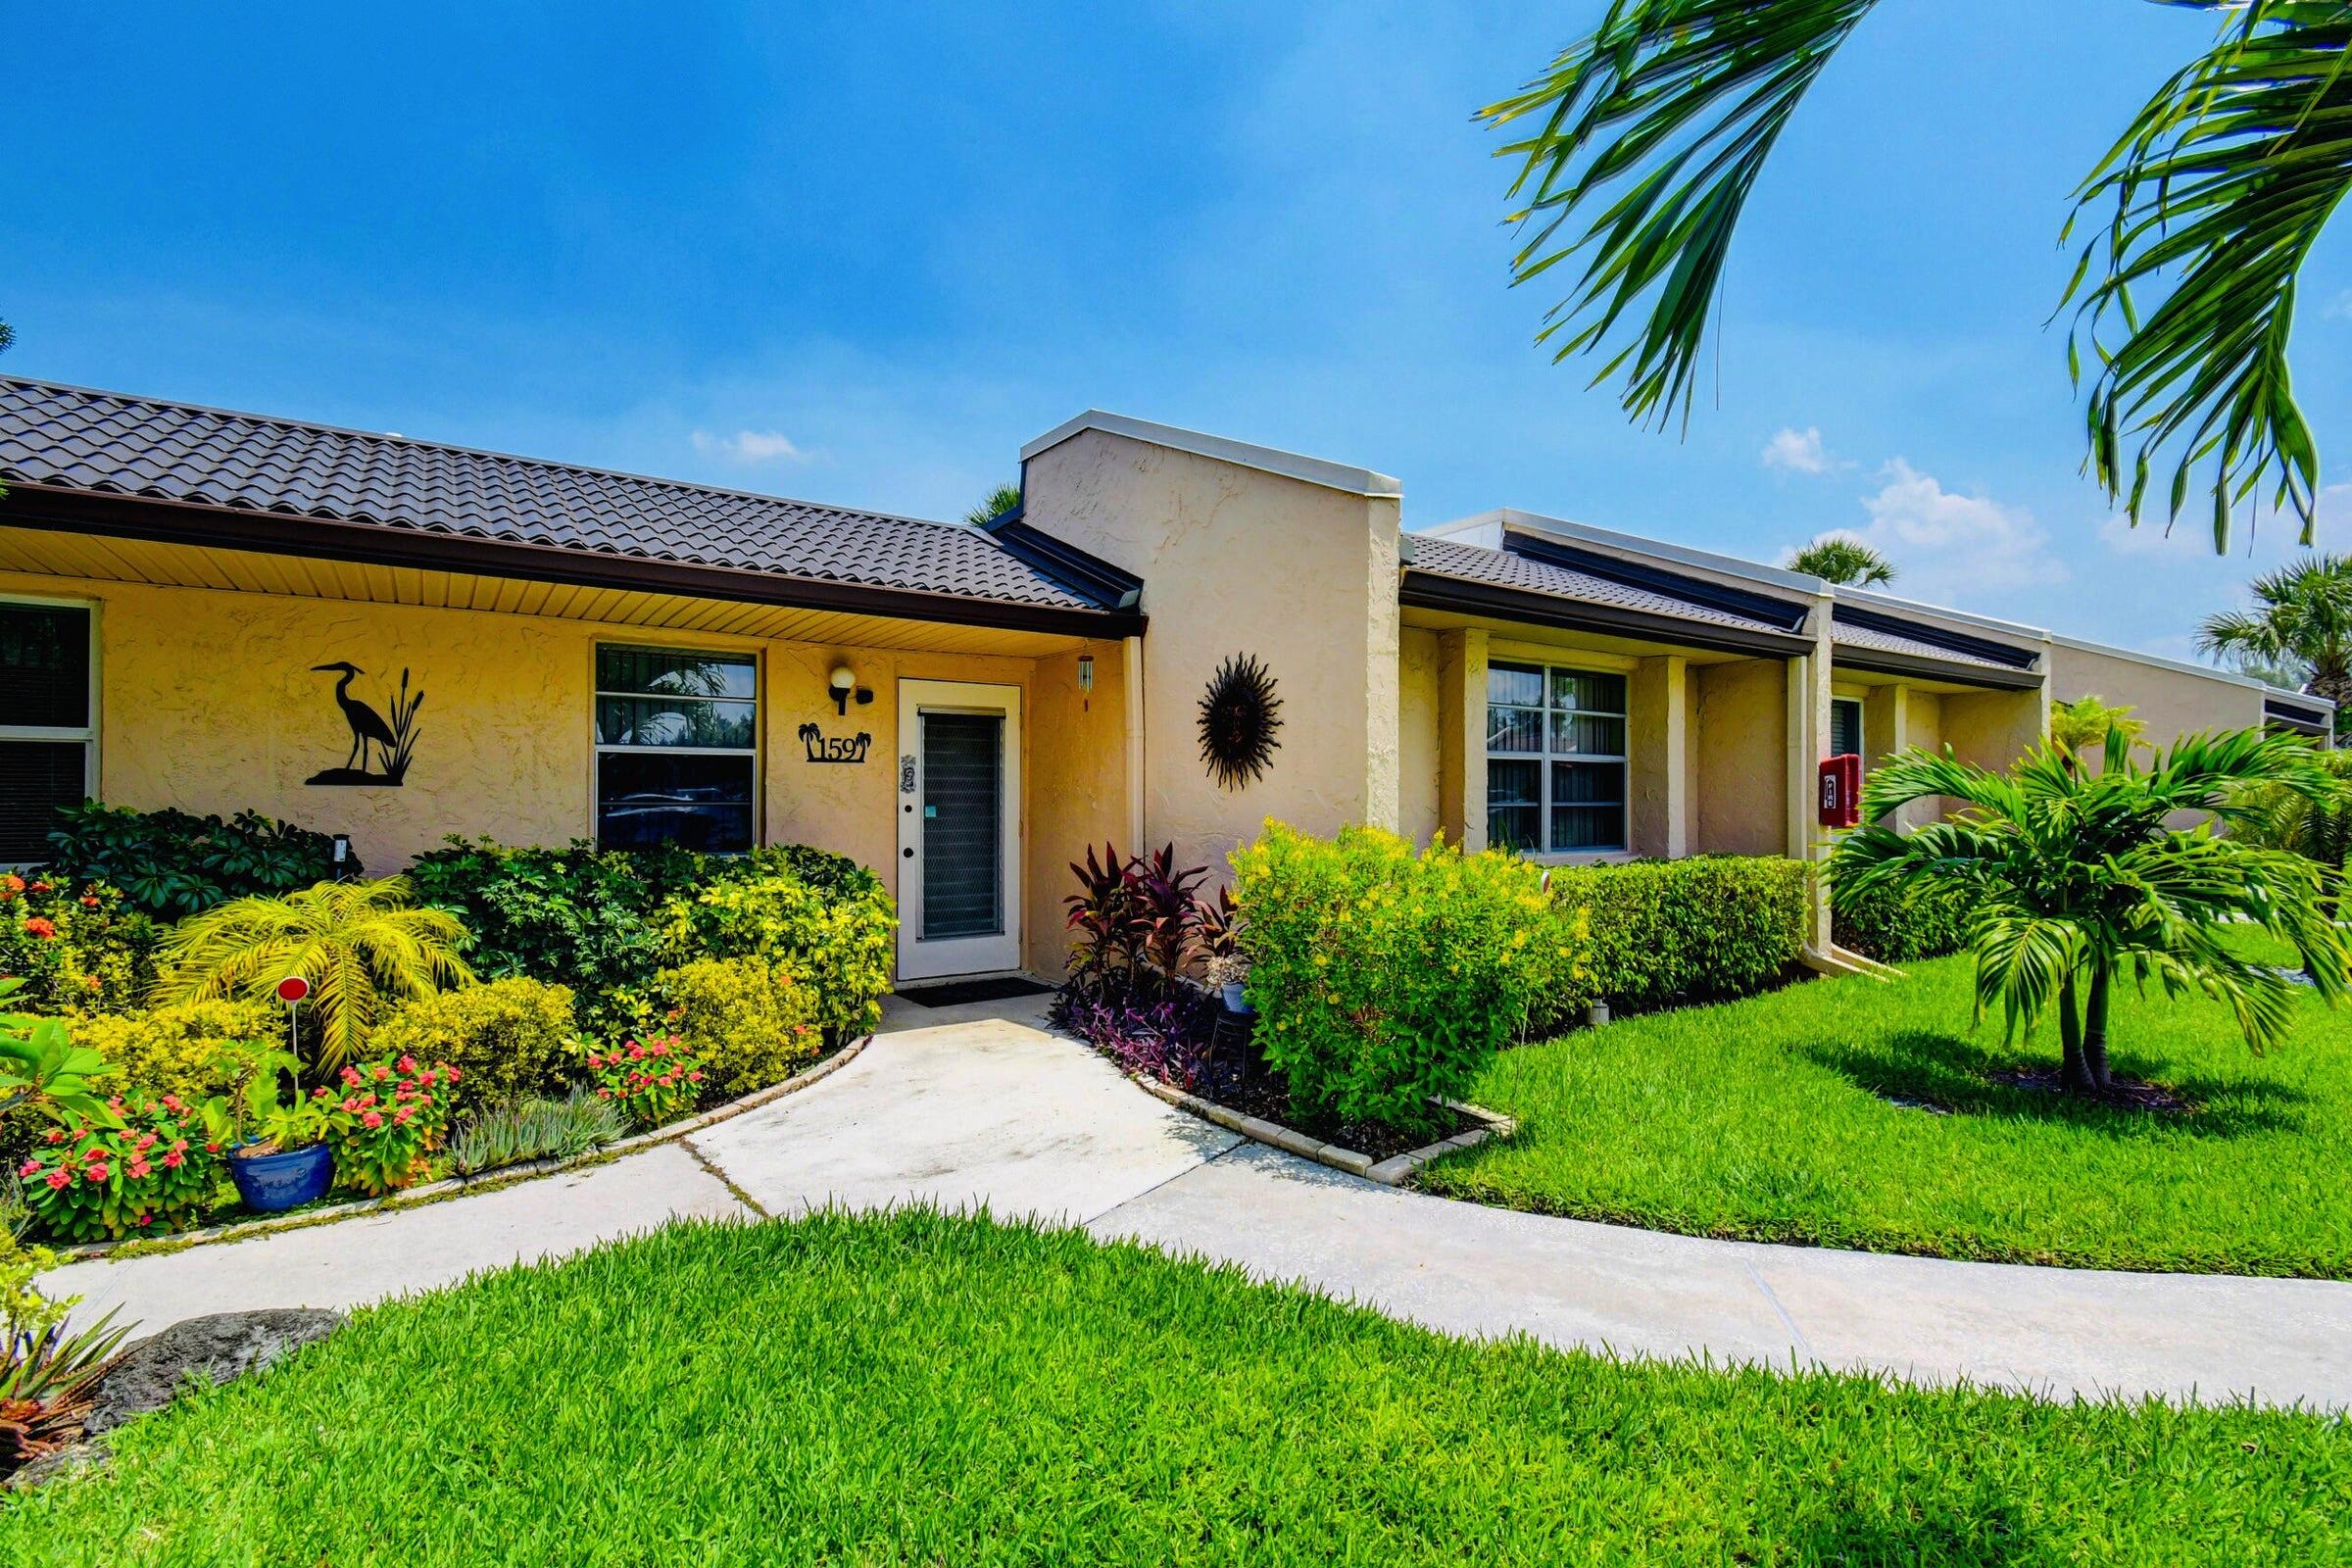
390, 746
1239, 715
834, 749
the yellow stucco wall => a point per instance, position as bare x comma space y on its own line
208, 701
1741, 776
2171, 703
1239, 561
1417, 702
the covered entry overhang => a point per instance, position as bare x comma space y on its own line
1589, 705
211, 611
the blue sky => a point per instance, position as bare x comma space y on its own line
861, 253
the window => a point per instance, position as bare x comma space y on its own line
678, 738
1555, 759
1845, 727
48, 721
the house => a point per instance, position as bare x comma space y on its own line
396, 640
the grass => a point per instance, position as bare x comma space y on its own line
1773, 1119
917, 1389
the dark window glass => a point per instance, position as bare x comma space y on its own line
1514, 729
1588, 691
1515, 806
1588, 806
1587, 735
649, 797
1845, 728
668, 721
1517, 685
36, 777
44, 665
964, 824
674, 672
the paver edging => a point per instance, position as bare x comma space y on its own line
1393, 1171
458, 1186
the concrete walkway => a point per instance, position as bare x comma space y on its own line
978, 1105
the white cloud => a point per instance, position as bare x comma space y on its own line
750, 446
1798, 451
1948, 547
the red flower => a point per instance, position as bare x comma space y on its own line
371, 1120
174, 1159
211, 1148
694, 1075
660, 1047
350, 1076
636, 1051
93, 1172
171, 1103
403, 1115
142, 1170
57, 1135
407, 1064
142, 1219
40, 887
40, 926
29, 1167
58, 1178
596, 1062
382, 1073
89, 901
451, 1073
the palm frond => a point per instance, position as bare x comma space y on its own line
2219, 189
1670, 108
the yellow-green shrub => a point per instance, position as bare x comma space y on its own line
1383, 977
750, 1021
507, 1037
177, 1050
1670, 931
834, 939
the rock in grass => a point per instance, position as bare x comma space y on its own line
219, 1347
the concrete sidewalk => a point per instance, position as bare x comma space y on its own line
981, 1107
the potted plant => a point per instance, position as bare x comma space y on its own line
1226, 972
279, 1157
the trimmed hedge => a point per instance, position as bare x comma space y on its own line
747, 1020
1385, 978
1897, 927
1694, 930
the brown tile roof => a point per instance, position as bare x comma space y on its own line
107, 443
1844, 634
1503, 569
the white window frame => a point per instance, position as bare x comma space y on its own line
757, 751
87, 733
1545, 757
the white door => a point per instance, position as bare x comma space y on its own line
960, 828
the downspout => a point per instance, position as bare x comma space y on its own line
1131, 672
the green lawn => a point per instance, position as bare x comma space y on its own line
1767, 1119
924, 1390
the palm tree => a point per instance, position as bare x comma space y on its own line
1844, 561
2318, 827
1651, 130
2074, 879
1002, 499
2302, 616
359, 943
2081, 726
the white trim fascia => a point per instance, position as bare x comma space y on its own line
1633, 544
2180, 666
1267, 460
1920, 607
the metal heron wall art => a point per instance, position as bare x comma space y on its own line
391, 745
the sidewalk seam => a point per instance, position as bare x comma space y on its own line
694, 1149
1798, 1335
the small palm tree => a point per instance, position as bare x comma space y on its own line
2316, 826
2074, 879
1002, 499
2302, 616
2081, 727
1845, 561
359, 943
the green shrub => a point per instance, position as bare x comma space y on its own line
181, 1048
604, 921
1896, 925
1383, 978
834, 937
577, 917
171, 864
1699, 929
750, 1021
75, 947
509, 1038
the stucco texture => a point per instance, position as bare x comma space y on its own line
1236, 560
2171, 703
1741, 741
208, 701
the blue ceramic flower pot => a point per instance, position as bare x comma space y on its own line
269, 1183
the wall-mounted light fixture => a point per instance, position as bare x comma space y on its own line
843, 681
